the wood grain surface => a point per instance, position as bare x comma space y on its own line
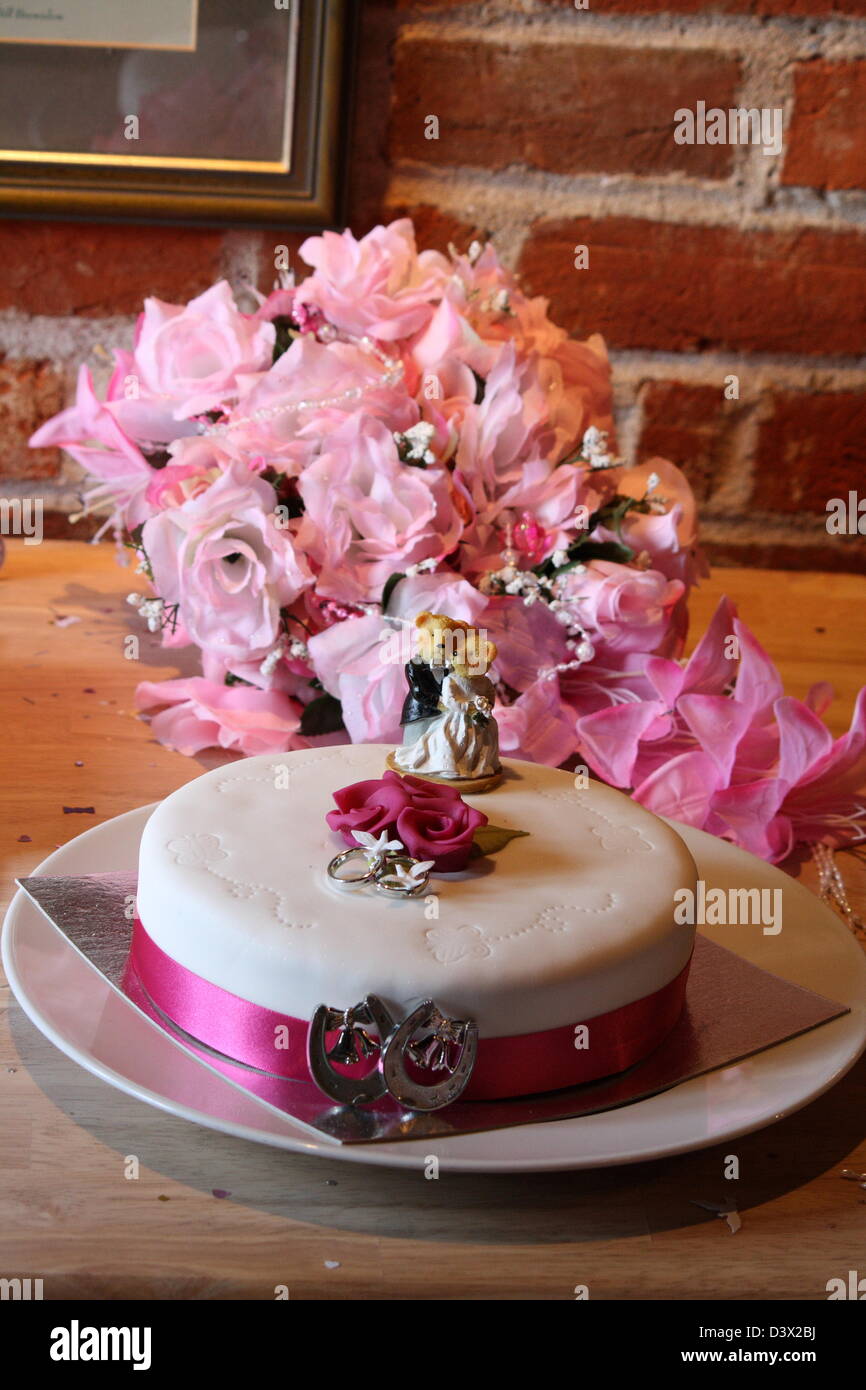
212, 1217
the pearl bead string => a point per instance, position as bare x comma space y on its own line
393, 374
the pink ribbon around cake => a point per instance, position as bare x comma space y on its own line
505, 1066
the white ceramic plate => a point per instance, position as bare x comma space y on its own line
83, 1016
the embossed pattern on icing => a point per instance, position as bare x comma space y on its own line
450, 944
203, 851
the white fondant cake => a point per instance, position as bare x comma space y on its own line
569, 922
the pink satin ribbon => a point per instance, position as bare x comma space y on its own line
524, 1064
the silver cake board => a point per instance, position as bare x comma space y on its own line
733, 1009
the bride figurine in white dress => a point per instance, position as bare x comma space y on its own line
464, 741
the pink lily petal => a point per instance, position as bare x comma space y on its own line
718, 723
748, 815
759, 684
666, 677
681, 788
803, 740
609, 738
709, 670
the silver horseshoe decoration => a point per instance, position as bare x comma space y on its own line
348, 1090
415, 1095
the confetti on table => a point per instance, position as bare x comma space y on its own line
25, 840
332, 1264
220, 1192
66, 621
726, 1211
78, 811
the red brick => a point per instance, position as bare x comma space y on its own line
435, 229
77, 268
826, 141
559, 107
762, 8
688, 425
836, 554
810, 448
670, 287
29, 393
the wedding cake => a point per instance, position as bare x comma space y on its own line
555, 943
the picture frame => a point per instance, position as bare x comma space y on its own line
238, 117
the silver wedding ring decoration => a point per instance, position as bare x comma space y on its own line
426, 1040
382, 863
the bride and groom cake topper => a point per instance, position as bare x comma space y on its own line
449, 733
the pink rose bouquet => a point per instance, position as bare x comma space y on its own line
401, 430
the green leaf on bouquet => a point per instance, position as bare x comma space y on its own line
491, 838
324, 715
599, 550
390, 585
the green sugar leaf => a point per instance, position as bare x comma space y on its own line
491, 838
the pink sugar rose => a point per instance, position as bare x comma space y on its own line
432, 822
226, 564
198, 713
440, 828
379, 285
190, 355
372, 806
627, 609
367, 515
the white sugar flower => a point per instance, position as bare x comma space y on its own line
411, 877
376, 847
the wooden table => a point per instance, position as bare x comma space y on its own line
213, 1217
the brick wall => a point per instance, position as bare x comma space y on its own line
706, 262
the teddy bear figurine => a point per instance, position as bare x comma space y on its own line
449, 732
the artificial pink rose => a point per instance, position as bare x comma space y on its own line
501, 434
283, 413
628, 609
440, 828
279, 304
222, 559
576, 381
668, 533
198, 713
379, 286
196, 463
189, 356
371, 806
368, 516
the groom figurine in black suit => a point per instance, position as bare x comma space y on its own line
425, 674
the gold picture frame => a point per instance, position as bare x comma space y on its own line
294, 179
